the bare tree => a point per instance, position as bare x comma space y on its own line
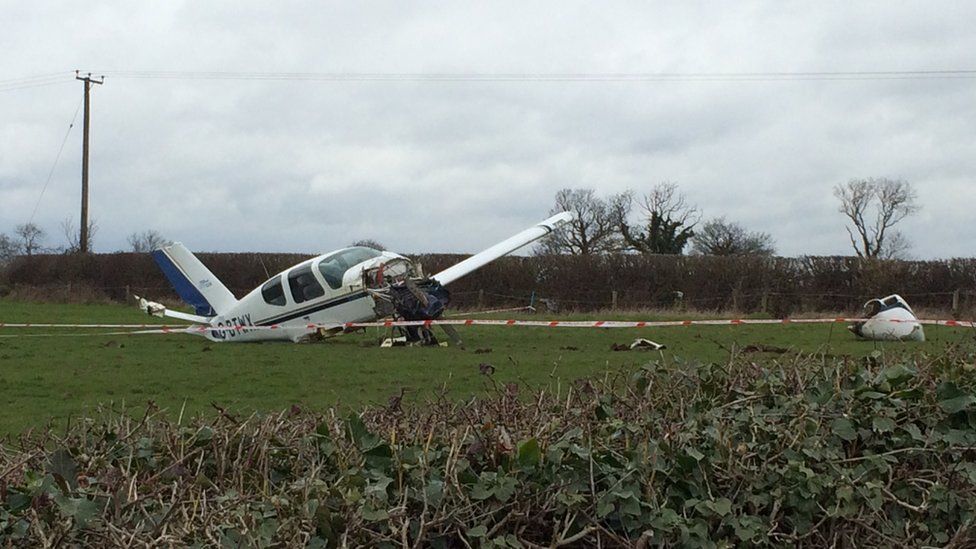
874, 206
147, 241
31, 238
593, 229
72, 238
369, 243
721, 237
668, 221
9, 248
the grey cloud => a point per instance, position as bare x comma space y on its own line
455, 166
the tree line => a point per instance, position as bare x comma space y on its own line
30, 238
662, 221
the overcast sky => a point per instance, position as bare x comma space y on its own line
302, 165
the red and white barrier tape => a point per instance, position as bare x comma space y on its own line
126, 326
644, 324
88, 334
200, 328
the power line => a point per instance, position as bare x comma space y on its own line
550, 77
32, 86
23, 79
54, 78
11, 84
56, 159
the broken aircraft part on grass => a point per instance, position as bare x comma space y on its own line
639, 344
889, 319
350, 285
642, 344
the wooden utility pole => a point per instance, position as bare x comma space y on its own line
83, 244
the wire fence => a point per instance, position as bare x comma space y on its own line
952, 301
956, 301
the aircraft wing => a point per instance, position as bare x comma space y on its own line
504, 247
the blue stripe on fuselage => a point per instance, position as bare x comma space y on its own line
183, 285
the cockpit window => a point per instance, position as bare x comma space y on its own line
272, 292
333, 267
303, 285
355, 256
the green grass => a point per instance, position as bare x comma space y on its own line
45, 379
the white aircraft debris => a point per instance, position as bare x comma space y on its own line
642, 344
889, 319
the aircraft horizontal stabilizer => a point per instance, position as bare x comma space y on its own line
503, 248
160, 310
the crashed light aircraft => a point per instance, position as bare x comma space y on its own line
319, 296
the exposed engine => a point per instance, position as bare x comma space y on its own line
399, 289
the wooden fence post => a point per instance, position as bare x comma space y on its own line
955, 302
481, 298
764, 304
613, 300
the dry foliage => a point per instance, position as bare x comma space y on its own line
803, 451
791, 285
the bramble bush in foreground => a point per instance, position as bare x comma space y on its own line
799, 451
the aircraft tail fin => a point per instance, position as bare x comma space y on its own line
193, 281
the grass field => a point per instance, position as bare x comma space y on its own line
49, 379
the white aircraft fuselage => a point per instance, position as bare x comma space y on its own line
291, 301
322, 294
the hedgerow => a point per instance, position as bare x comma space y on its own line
801, 451
779, 286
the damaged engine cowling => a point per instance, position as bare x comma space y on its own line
419, 300
399, 289
889, 319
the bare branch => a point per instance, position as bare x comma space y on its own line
667, 221
721, 237
31, 238
593, 229
72, 238
9, 248
886, 202
147, 241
